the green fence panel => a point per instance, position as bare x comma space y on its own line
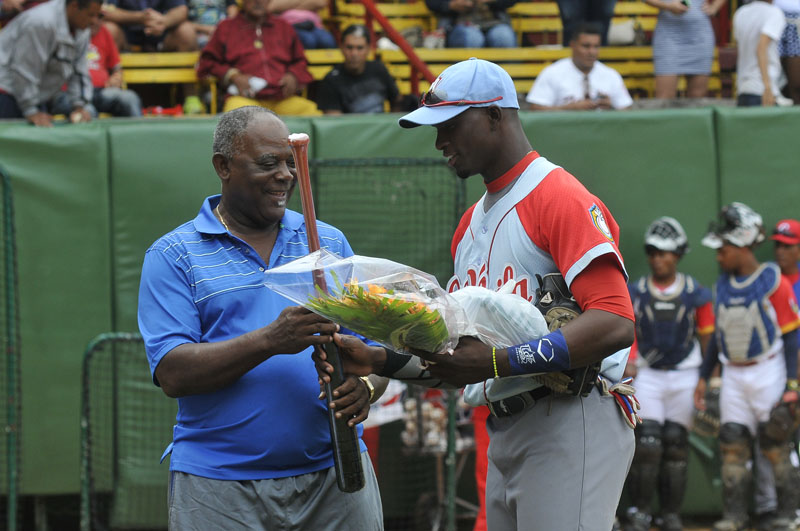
641, 164
9, 367
60, 183
160, 173
759, 164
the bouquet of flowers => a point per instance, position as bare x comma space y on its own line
395, 305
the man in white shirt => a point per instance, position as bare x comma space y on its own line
757, 27
580, 82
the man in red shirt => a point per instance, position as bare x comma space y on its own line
261, 61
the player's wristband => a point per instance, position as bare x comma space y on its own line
792, 385
548, 354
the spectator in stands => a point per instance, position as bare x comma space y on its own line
154, 25
303, 16
683, 45
757, 27
475, 23
357, 85
580, 82
260, 60
206, 14
41, 50
576, 12
106, 73
789, 47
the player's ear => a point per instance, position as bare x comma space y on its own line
221, 165
495, 115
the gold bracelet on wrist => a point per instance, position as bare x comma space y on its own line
370, 387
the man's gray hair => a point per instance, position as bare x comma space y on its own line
231, 127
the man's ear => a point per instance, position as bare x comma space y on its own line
221, 165
495, 115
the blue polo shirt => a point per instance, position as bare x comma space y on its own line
201, 285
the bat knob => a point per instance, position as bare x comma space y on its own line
298, 139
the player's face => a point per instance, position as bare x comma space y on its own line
663, 264
729, 258
787, 257
585, 49
262, 175
460, 140
355, 50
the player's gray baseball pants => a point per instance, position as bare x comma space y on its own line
298, 503
558, 465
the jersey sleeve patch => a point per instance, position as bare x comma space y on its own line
599, 221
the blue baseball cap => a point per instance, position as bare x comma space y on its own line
470, 83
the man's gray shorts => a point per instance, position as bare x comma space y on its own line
299, 503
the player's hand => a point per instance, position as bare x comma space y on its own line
603, 101
470, 362
242, 83
288, 84
357, 357
295, 329
350, 400
11, 6
583, 105
155, 23
460, 6
700, 395
40, 119
676, 7
79, 115
768, 98
114, 80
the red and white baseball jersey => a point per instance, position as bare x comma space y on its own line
547, 222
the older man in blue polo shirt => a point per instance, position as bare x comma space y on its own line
251, 448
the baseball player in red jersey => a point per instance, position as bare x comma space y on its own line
756, 341
557, 461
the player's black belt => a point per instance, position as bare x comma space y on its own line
518, 403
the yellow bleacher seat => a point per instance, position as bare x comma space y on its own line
165, 68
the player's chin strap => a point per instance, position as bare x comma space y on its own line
623, 395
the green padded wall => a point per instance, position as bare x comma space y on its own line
759, 162
60, 182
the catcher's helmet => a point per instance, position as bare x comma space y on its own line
666, 234
738, 225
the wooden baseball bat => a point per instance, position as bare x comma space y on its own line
346, 450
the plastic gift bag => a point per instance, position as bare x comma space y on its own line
393, 304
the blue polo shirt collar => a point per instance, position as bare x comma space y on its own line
208, 223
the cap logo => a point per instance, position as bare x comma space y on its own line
785, 229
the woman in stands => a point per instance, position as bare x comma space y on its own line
683, 45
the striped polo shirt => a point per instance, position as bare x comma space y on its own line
201, 284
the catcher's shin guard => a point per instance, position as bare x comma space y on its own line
643, 476
735, 443
787, 480
674, 467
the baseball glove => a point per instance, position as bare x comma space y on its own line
559, 307
784, 420
555, 301
706, 423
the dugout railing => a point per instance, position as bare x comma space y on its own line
10, 372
